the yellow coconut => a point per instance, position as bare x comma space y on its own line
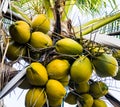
40, 22
81, 69
117, 77
116, 54
65, 80
35, 97
20, 32
68, 46
86, 100
15, 50
98, 89
55, 89
82, 87
99, 103
36, 74
40, 40
55, 102
58, 68
105, 65
71, 98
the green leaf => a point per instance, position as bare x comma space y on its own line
98, 24
49, 8
94, 6
67, 7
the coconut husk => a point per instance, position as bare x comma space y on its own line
13, 83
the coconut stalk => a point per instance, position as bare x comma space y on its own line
96, 25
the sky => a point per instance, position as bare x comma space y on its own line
17, 97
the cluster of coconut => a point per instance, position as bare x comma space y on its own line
33, 33
71, 65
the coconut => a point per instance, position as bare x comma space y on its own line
40, 22
99, 103
58, 68
15, 50
36, 74
105, 65
82, 87
68, 46
86, 100
40, 40
98, 89
117, 77
35, 97
20, 32
71, 98
81, 69
55, 89
55, 102
65, 80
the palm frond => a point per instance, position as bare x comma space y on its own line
97, 24
115, 102
21, 13
13, 83
21, 2
4, 6
112, 3
7, 72
104, 39
95, 6
48, 8
67, 6
112, 28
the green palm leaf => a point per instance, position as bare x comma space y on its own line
94, 6
97, 24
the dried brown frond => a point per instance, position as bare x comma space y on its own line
6, 74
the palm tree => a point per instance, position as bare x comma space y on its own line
58, 11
